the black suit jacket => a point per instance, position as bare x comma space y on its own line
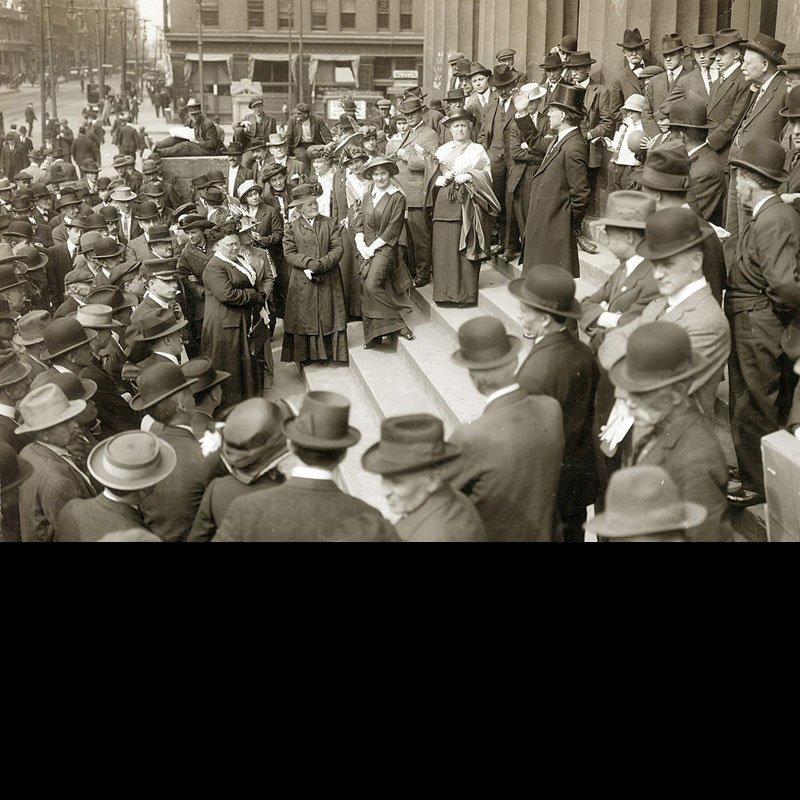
114, 413
707, 185
7, 435
320, 133
727, 104
762, 120
90, 520
59, 265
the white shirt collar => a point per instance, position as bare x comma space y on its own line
158, 300
564, 133
585, 83
174, 359
767, 82
687, 291
695, 149
731, 69
312, 473
757, 206
59, 368
631, 264
501, 392
8, 411
110, 496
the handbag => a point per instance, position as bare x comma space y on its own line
257, 338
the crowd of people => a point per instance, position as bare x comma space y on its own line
137, 313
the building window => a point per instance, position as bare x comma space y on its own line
319, 15
383, 68
347, 15
209, 13
272, 75
406, 14
383, 15
284, 14
255, 14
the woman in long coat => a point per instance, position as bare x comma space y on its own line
236, 293
315, 323
385, 280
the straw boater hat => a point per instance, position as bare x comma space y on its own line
158, 382
322, 423
121, 193
96, 316
45, 408
131, 460
550, 289
484, 344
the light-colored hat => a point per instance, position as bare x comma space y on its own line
132, 460
533, 91
96, 316
123, 193
46, 407
635, 102
247, 186
276, 139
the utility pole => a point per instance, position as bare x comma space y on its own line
99, 50
103, 60
291, 23
200, 53
53, 82
299, 56
42, 73
124, 78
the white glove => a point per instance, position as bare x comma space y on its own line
608, 319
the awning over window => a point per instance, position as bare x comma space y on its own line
272, 57
314, 61
220, 60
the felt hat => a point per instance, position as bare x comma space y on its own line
123, 193
149, 167
414, 91
78, 275
215, 176
8, 277
247, 186
157, 323
792, 108
203, 370
634, 102
89, 165
234, 149
380, 161
67, 199
484, 344
13, 469
256, 144
113, 297
552, 61
568, 97
463, 67
303, 192
273, 169
12, 370
157, 382
30, 328
582, 58
164, 268
5, 310
411, 104
154, 189
56, 174
770, 48
121, 160
32, 257
74, 388
569, 44
702, 41
658, 354
46, 407
666, 168
276, 139
131, 460
642, 500
64, 334
109, 213
631, 39
349, 106
95, 222
792, 66
40, 190
256, 101
106, 247
159, 233
75, 221
255, 424
409, 443
20, 229
671, 43
96, 316
322, 423
120, 273
21, 203
103, 183
505, 52
628, 209
147, 210
476, 68
6, 185
690, 113
550, 289
181, 211
671, 231
504, 75
190, 221
213, 194
727, 37
765, 157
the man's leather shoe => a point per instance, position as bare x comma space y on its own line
418, 282
509, 255
744, 498
586, 245
496, 249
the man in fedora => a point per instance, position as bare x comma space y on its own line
207, 399
304, 130
128, 227
13, 471
643, 504
15, 381
277, 145
561, 366
697, 84
159, 331
560, 188
418, 139
730, 95
655, 380
673, 239
253, 446
689, 123
30, 339
165, 393
128, 466
410, 458
50, 418
762, 304
482, 92
237, 174
628, 80
658, 91
190, 265
309, 507
431, 116
68, 205
511, 455
763, 120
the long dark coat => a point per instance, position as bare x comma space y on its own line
190, 267
559, 194
314, 308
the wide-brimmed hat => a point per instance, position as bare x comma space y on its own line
641, 500
190, 221
504, 75
41, 190
64, 334
666, 168
67, 199
149, 167
257, 143
671, 43
451, 96
303, 192
380, 161
690, 113
476, 68
634, 102
411, 104
234, 149
671, 231
132, 460
702, 41
631, 39
247, 186
765, 157
12, 370
213, 194
121, 160
74, 388
8, 277
552, 61
46, 407
157, 323
726, 37
569, 97
409, 443
458, 115
256, 424
322, 423
770, 48
628, 209
122, 193
6, 185
532, 91
203, 370
157, 382
13, 469
276, 139
550, 289
273, 169
78, 275
147, 210
30, 328
792, 108
20, 228
106, 247
113, 297
154, 189
658, 354
484, 344
791, 66
582, 58
96, 316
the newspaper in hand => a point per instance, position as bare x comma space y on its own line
614, 431
182, 132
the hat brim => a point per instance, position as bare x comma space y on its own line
221, 376
486, 72
748, 45
707, 127
24, 471
620, 376
673, 50
500, 84
614, 527
204, 224
74, 407
26, 370
633, 45
778, 177
289, 427
168, 458
373, 461
179, 325
46, 355
616, 222
515, 345
680, 247
18, 340
99, 327
786, 113
668, 183
137, 403
388, 164
13, 285
115, 254
517, 288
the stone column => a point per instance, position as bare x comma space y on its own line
787, 26
448, 28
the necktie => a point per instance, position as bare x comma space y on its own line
706, 79
670, 77
795, 159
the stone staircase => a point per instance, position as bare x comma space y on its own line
405, 377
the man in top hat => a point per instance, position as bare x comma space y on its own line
560, 188
660, 87
50, 418
655, 379
511, 455
309, 507
763, 120
165, 393
561, 366
261, 123
410, 458
15, 381
30, 339
13, 471
304, 130
643, 504
206, 137
762, 304
237, 174
707, 189
698, 83
628, 80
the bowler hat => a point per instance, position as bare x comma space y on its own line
234, 149
67, 199
303, 192
484, 344
628, 209
255, 424
504, 75
147, 210
121, 160
103, 183
202, 369
658, 354
380, 161
690, 113
671, 43
13, 470
476, 68
64, 334
764, 156
96, 316
322, 423
95, 222
30, 328
157, 382
631, 39
666, 168
20, 228
111, 296
157, 323
671, 231
46, 407
641, 500
32, 257
770, 48
409, 443
552, 61
132, 460
8, 277
109, 213
568, 97
12, 370
106, 247
76, 221
89, 240
727, 37
74, 388
550, 289
256, 101
89, 165
149, 167
792, 108
569, 44
580, 59
153, 189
